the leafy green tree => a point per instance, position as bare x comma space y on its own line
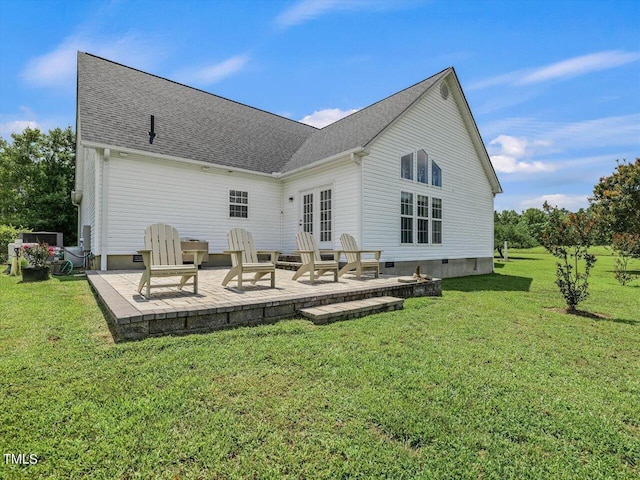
568, 236
535, 221
36, 179
509, 227
616, 201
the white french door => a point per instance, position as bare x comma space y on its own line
316, 215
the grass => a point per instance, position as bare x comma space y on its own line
490, 381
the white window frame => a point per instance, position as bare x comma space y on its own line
411, 172
237, 200
407, 214
416, 158
319, 217
436, 219
422, 216
426, 166
434, 165
419, 208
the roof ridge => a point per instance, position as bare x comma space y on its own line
194, 88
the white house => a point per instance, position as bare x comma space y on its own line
408, 175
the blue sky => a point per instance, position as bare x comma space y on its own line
554, 86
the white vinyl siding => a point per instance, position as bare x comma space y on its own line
194, 201
438, 127
343, 179
87, 214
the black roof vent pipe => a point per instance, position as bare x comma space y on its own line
152, 133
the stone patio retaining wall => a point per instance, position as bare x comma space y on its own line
127, 323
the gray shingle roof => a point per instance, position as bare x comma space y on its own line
115, 104
359, 128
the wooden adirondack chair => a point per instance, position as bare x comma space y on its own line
354, 257
311, 259
162, 257
244, 258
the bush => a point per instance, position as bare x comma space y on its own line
626, 246
568, 237
8, 234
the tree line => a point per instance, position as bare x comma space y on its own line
37, 174
614, 208
612, 219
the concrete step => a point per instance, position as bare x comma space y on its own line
347, 310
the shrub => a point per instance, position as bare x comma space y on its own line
568, 237
8, 234
625, 246
37, 255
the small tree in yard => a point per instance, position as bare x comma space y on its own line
568, 237
626, 246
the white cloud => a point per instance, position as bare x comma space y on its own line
580, 66
511, 145
322, 118
216, 72
303, 11
58, 67
16, 126
508, 157
306, 10
541, 138
569, 68
570, 202
507, 164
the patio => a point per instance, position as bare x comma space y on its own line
169, 311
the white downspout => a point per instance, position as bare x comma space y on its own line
357, 159
104, 210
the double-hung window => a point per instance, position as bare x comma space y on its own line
436, 220
406, 217
418, 218
238, 204
422, 214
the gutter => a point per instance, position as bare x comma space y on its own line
352, 153
172, 158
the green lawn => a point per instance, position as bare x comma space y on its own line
490, 381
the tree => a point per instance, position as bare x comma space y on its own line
616, 201
568, 237
510, 227
36, 179
535, 221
